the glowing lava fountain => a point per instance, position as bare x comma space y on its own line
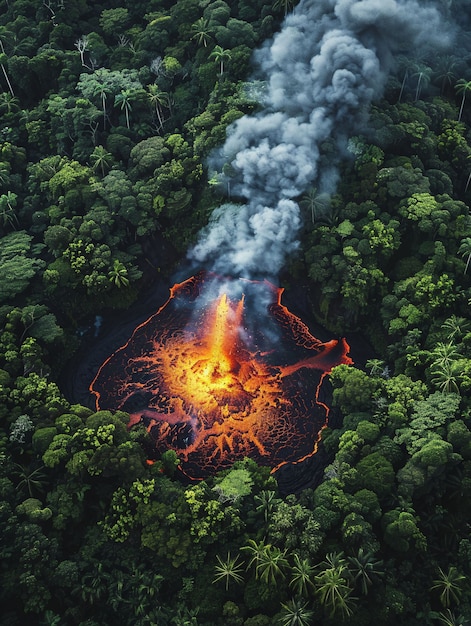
219, 379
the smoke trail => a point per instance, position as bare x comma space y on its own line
329, 62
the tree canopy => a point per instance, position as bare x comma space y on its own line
112, 119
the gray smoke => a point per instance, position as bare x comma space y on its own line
331, 59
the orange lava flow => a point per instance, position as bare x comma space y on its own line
218, 380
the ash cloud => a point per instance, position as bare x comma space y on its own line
330, 60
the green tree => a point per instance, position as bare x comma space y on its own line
266, 501
33, 509
229, 570
365, 569
445, 376
148, 155
294, 527
8, 216
353, 389
302, 574
236, 484
118, 275
465, 251
101, 159
424, 76
427, 420
401, 532
449, 586
376, 366
444, 354
318, 204
8, 103
31, 480
456, 326
445, 72
272, 565
103, 83
158, 100
114, 21
418, 207
255, 550
375, 473
286, 5
18, 263
3, 63
125, 99
451, 619
295, 613
202, 31
210, 518
334, 591
220, 56
462, 86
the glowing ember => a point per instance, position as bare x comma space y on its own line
216, 381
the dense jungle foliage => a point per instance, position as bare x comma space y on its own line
108, 112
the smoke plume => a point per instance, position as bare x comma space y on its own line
330, 60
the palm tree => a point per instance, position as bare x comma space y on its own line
4, 172
302, 574
8, 103
295, 614
465, 251
255, 550
118, 275
103, 90
30, 480
445, 377
286, 5
444, 354
410, 67
376, 366
143, 595
17, 44
268, 561
445, 72
271, 565
332, 559
220, 56
228, 570
93, 585
449, 585
265, 498
333, 589
317, 204
186, 617
423, 74
462, 86
365, 569
403, 84
124, 99
203, 32
2, 65
8, 215
51, 619
145, 585
157, 99
456, 326
101, 159
468, 180
450, 619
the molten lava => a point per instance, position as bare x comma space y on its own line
217, 380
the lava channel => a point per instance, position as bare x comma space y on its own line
217, 380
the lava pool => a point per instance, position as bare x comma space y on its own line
223, 371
